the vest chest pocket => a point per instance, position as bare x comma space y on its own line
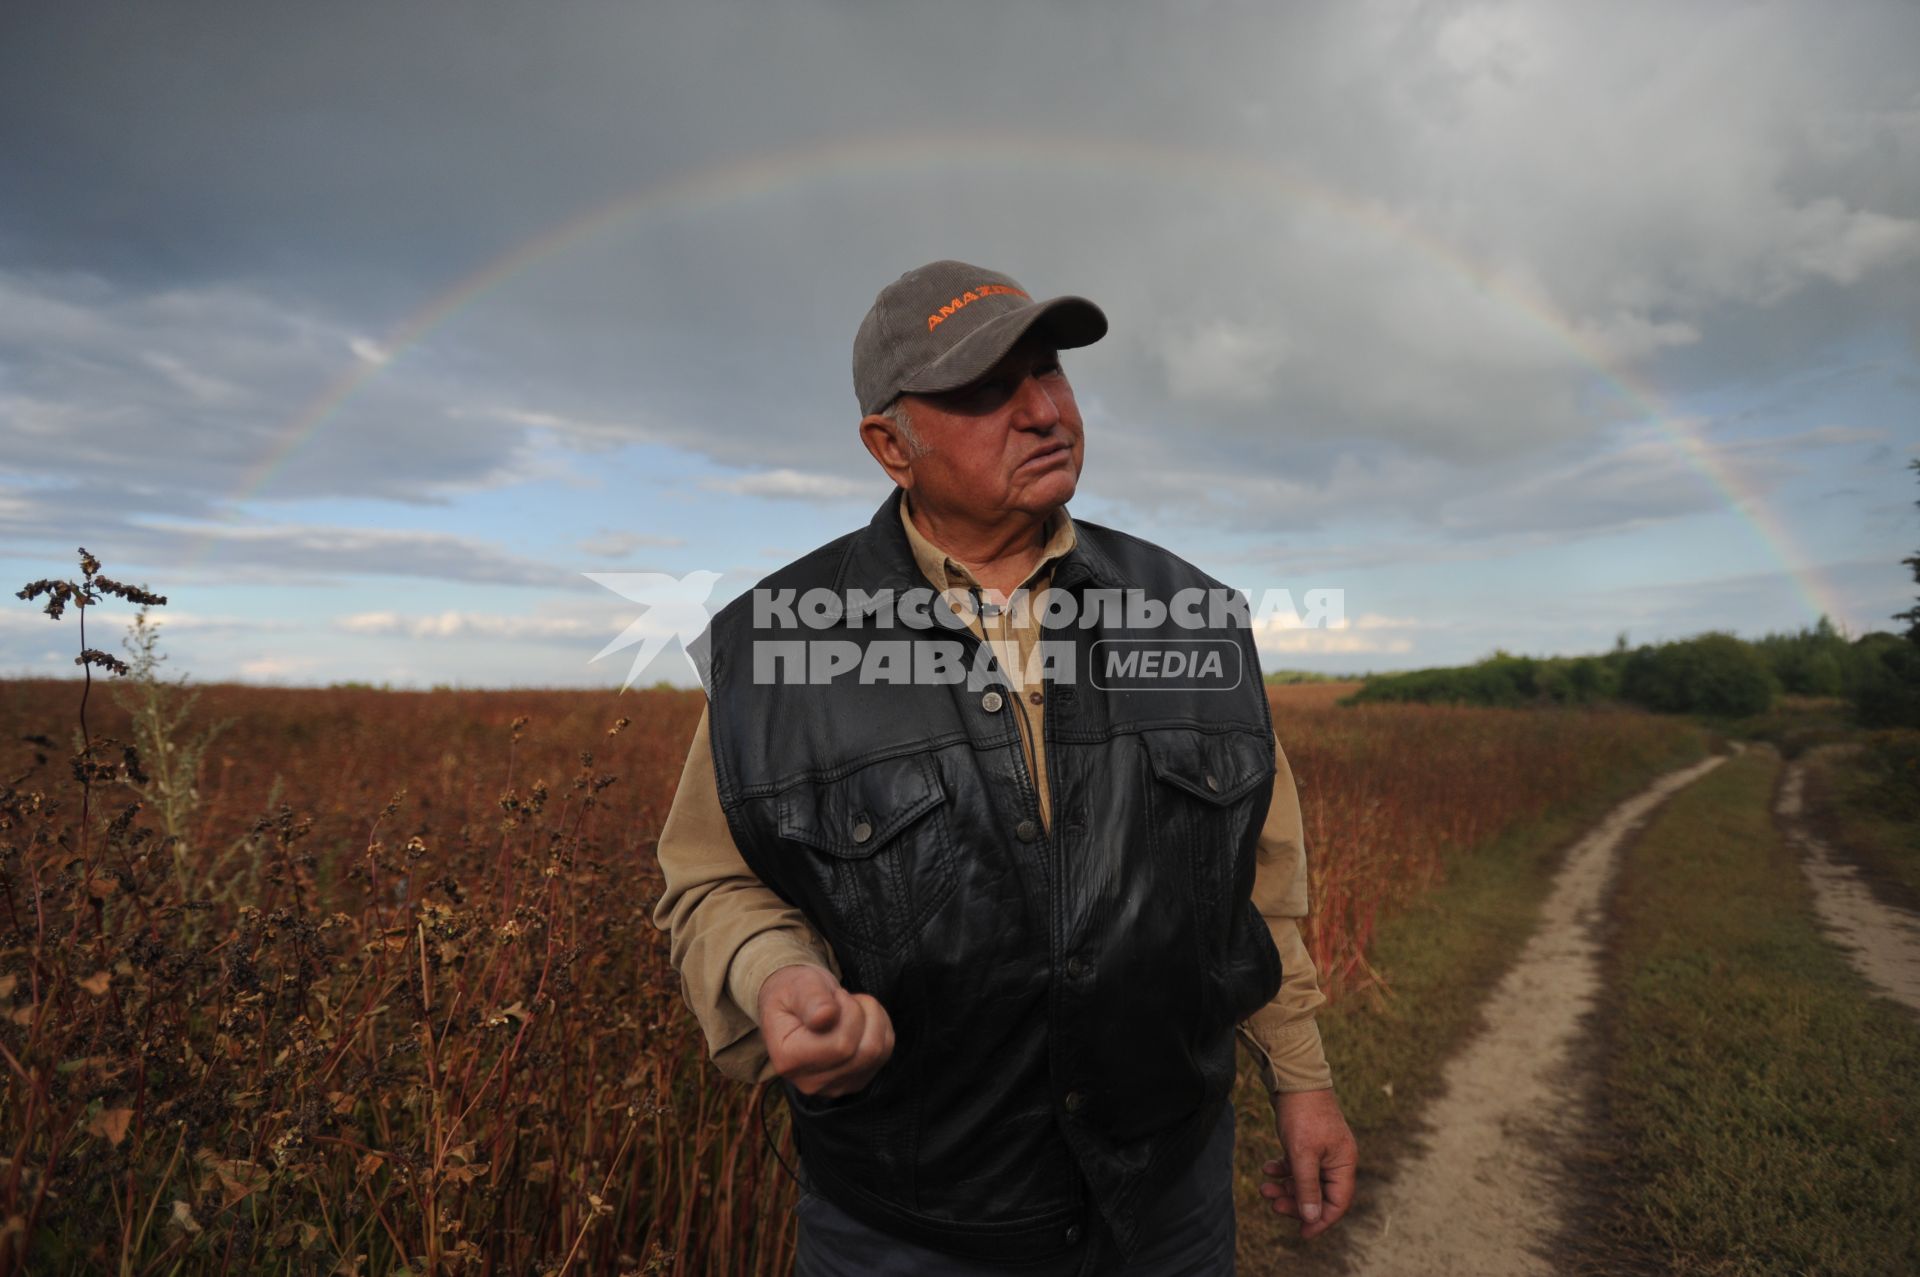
877, 850
1205, 784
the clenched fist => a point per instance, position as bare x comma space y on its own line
824, 1040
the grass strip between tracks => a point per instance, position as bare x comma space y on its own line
1846, 809
1763, 1101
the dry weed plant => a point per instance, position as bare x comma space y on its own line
458, 1050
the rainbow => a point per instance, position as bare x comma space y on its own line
934, 155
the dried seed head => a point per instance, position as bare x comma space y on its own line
105, 660
131, 593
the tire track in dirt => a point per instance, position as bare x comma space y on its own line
1487, 1193
1882, 941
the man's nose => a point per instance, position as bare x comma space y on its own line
1033, 406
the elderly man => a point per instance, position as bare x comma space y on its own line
992, 879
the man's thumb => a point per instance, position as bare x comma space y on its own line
1306, 1186
821, 1012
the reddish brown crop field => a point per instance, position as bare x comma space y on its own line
381, 993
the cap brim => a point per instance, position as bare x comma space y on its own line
1067, 321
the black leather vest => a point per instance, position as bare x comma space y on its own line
1064, 999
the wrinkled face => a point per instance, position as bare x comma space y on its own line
1011, 441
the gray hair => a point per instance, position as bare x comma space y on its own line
896, 412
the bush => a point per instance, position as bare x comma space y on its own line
1712, 674
1813, 662
1500, 680
1893, 762
1885, 683
1715, 674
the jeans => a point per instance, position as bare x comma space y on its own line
1189, 1232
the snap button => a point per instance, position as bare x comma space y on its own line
1075, 1101
991, 702
1035, 697
1073, 1234
1213, 786
1026, 831
862, 831
1076, 967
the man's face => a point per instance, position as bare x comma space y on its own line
1012, 441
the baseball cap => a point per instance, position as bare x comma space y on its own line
946, 324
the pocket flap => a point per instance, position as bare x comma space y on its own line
854, 816
1216, 767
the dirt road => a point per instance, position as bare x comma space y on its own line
1484, 1197
1882, 941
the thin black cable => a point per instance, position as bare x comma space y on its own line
760, 1118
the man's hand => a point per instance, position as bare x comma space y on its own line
824, 1040
1314, 1183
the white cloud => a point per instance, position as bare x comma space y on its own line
111, 622
797, 485
457, 624
576, 431
308, 549
1305, 630
613, 544
275, 667
1332, 642
1827, 240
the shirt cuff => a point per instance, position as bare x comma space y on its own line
760, 957
1290, 1056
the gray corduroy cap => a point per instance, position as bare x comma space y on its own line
946, 324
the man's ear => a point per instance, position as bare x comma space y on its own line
882, 439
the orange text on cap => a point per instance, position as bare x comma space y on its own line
971, 295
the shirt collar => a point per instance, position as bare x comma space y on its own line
944, 572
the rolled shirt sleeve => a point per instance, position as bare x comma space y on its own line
727, 931
1283, 1035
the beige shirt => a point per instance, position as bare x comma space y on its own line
728, 931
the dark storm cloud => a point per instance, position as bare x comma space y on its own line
186, 394
1474, 514
48, 523
419, 137
1358, 247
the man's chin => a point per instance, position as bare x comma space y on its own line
1049, 492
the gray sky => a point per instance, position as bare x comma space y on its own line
1521, 323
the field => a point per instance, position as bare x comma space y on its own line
372, 987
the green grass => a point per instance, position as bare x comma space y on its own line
1797, 724
1765, 1103
1848, 807
1439, 959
